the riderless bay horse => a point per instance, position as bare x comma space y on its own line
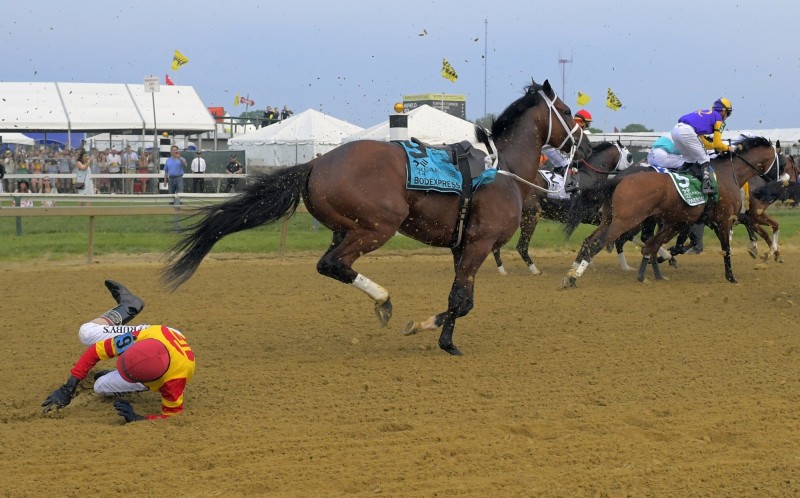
637, 196
606, 158
358, 191
763, 191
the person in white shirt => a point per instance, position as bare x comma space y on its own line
198, 166
115, 168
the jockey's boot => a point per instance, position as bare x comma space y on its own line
707, 188
128, 305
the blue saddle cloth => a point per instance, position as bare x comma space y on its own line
433, 169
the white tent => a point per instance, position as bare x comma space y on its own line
429, 125
15, 138
295, 140
77, 107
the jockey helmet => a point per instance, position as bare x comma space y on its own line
145, 361
584, 115
721, 104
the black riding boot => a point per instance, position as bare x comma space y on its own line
128, 305
707, 188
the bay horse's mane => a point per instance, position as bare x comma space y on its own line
508, 118
746, 143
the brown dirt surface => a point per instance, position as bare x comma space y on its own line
616, 388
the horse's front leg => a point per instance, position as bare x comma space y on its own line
498, 261
527, 227
723, 230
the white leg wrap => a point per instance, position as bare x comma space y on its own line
637, 239
502, 270
775, 241
373, 290
623, 263
534, 270
664, 253
581, 268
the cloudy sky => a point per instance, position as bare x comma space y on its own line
353, 59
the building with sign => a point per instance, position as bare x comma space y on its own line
455, 105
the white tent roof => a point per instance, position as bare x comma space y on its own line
307, 127
16, 138
426, 123
101, 107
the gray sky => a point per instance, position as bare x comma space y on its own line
353, 59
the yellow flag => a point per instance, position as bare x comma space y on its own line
448, 71
612, 102
178, 60
236, 100
583, 99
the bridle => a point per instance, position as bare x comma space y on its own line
618, 167
570, 136
752, 166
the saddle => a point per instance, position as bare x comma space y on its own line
470, 163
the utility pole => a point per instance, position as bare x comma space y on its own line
485, 60
563, 63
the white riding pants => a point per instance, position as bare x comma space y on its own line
110, 383
663, 159
688, 144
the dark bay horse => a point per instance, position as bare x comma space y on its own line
358, 191
629, 199
763, 191
606, 158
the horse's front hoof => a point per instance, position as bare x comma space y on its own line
384, 312
732, 279
568, 282
673, 263
753, 253
502, 270
410, 328
452, 349
778, 258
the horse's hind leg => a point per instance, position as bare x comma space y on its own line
338, 260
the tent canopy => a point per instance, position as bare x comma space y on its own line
295, 140
15, 138
75, 107
427, 124
307, 127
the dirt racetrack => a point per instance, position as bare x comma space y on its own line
682, 388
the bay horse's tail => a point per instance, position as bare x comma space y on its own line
270, 197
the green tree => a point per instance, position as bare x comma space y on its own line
254, 116
594, 130
635, 128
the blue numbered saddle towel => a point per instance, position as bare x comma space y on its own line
689, 187
430, 168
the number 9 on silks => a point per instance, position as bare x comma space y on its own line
149, 358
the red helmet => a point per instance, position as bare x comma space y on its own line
584, 115
145, 361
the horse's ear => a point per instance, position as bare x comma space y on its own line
548, 90
619, 143
778, 145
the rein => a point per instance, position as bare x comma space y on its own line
570, 135
752, 166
